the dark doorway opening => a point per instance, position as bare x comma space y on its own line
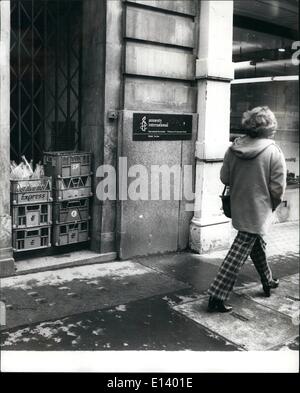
46, 61
45, 85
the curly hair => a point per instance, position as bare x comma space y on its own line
259, 122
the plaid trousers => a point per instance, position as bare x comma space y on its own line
244, 244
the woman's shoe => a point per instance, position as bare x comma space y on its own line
217, 305
270, 285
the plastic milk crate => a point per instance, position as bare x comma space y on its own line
67, 163
24, 192
71, 211
27, 216
70, 233
31, 239
72, 188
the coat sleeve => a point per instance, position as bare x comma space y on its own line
277, 177
225, 170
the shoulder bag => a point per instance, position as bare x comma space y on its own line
225, 197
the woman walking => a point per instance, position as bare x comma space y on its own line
254, 169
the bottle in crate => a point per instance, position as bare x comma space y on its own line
31, 239
70, 233
67, 163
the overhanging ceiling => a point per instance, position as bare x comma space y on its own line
282, 13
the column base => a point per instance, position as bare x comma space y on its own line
7, 263
206, 238
7, 267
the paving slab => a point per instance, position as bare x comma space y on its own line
293, 278
190, 268
250, 326
51, 295
148, 324
291, 345
281, 265
186, 267
283, 238
284, 299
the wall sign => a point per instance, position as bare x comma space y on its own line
162, 126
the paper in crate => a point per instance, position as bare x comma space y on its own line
31, 190
67, 163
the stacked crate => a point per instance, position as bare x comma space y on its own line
71, 173
31, 211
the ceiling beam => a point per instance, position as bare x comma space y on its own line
262, 55
246, 22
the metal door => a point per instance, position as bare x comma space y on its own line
46, 47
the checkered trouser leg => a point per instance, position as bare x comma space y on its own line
234, 260
258, 256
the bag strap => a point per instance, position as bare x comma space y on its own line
223, 193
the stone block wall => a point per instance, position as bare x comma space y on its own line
158, 76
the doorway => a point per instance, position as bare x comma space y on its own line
45, 84
45, 87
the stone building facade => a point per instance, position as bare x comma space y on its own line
161, 56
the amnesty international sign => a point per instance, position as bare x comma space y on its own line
162, 126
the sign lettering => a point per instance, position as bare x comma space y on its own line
162, 126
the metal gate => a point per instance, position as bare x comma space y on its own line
46, 47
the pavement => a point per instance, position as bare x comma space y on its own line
154, 303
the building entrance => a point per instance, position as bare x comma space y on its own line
45, 116
45, 53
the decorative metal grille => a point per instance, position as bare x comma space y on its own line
46, 39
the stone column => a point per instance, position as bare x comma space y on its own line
6, 258
101, 90
209, 228
93, 64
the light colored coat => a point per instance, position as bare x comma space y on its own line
255, 170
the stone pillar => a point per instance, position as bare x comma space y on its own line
93, 64
209, 228
101, 91
6, 256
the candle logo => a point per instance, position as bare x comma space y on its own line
143, 124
